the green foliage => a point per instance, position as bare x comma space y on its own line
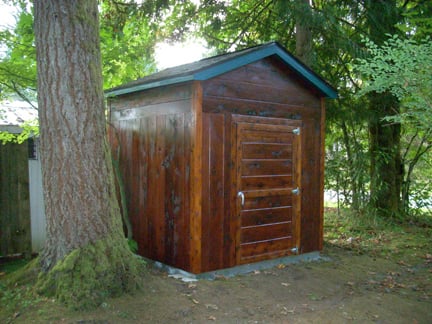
19, 297
29, 129
128, 33
130, 30
133, 245
18, 62
347, 159
337, 28
12, 265
418, 19
402, 67
128, 37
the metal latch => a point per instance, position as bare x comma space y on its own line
296, 131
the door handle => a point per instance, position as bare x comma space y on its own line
241, 195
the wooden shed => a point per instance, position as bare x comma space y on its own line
223, 159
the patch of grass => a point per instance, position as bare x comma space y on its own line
363, 233
16, 288
9, 266
16, 300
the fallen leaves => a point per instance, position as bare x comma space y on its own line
286, 311
211, 306
192, 286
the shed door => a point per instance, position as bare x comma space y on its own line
267, 202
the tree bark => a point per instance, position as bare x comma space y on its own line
86, 255
386, 165
303, 33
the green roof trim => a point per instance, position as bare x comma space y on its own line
211, 67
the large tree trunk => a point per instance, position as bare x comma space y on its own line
386, 168
86, 255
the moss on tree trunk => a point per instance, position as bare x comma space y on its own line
90, 274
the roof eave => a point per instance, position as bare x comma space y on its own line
150, 85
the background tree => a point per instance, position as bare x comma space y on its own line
86, 257
18, 61
402, 68
366, 149
386, 168
128, 32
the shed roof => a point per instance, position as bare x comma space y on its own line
213, 66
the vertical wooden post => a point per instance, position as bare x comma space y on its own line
196, 179
322, 162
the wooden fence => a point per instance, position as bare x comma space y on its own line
15, 233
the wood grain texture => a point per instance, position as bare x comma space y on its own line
261, 227
15, 235
155, 163
194, 164
213, 193
196, 133
294, 102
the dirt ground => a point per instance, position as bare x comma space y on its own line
345, 287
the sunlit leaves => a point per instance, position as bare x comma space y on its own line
28, 129
402, 67
18, 63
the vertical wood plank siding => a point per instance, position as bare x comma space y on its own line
215, 207
267, 89
153, 131
179, 163
15, 236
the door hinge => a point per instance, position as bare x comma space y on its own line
295, 250
295, 191
296, 131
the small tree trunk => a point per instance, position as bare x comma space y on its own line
86, 255
303, 33
386, 165
347, 140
